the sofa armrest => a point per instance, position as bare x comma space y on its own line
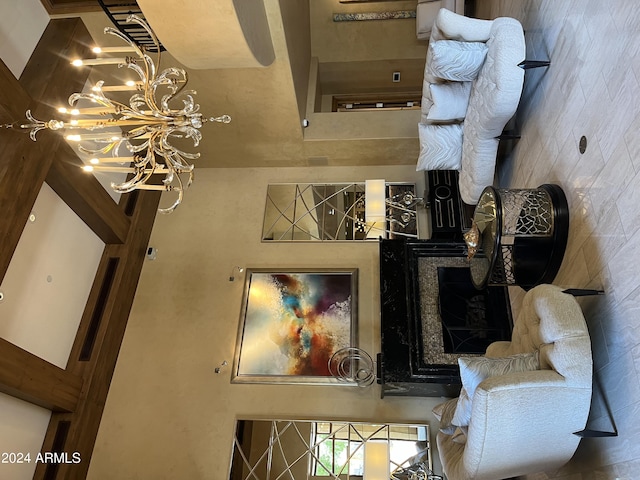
426, 12
450, 25
498, 349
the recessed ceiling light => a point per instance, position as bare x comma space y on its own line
32, 217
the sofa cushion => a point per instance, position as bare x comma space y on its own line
444, 413
450, 101
440, 147
474, 370
427, 101
460, 435
458, 61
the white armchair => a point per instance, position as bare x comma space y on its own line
524, 422
426, 13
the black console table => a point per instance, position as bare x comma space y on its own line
450, 216
414, 361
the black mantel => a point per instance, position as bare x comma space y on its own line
402, 370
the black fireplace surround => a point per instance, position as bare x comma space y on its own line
430, 315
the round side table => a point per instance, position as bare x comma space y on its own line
523, 236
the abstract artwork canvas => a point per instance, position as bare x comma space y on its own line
292, 322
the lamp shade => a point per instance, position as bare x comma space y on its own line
374, 198
376, 460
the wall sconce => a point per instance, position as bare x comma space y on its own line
219, 368
231, 276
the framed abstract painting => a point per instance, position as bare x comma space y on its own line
292, 321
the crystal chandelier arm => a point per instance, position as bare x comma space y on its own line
143, 172
136, 19
111, 146
93, 98
175, 161
117, 33
175, 78
176, 203
146, 74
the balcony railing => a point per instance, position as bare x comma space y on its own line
118, 11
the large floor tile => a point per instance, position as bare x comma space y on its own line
591, 89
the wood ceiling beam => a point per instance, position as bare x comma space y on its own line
30, 378
77, 394
95, 350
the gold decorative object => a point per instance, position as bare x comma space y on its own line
472, 239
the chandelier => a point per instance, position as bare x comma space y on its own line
133, 138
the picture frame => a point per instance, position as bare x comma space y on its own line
292, 321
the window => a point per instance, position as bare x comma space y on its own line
340, 446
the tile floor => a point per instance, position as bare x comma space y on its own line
592, 89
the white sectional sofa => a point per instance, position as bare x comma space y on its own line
493, 99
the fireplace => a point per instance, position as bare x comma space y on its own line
471, 319
432, 315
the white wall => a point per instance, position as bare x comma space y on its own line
168, 414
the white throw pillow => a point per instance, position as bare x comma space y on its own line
440, 147
450, 101
459, 61
474, 370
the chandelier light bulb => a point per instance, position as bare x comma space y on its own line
77, 63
